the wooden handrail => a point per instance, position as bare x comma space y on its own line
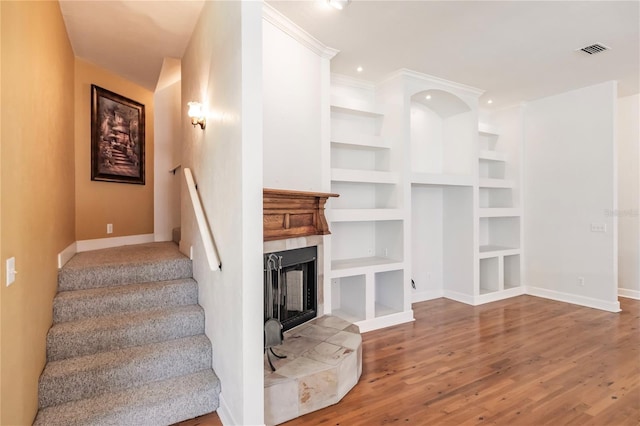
201, 219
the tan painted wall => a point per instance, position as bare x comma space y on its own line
37, 190
128, 207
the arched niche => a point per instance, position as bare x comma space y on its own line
442, 133
443, 103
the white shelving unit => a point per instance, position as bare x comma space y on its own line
499, 217
426, 195
368, 283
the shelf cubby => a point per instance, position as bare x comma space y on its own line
353, 157
499, 233
366, 240
389, 294
348, 299
496, 198
491, 169
512, 271
489, 275
364, 195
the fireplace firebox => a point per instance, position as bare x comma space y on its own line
290, 286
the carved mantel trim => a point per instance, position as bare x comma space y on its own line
292, 214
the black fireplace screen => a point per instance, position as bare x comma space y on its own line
290, 286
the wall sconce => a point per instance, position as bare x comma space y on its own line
197, 115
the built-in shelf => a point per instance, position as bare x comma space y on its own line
499, 212
487, 130
359, 215
356, 111
363, 176
418, 178
362, 142
494, 250
348, 267
490, 155
496, 183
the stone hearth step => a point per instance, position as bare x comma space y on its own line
324, 362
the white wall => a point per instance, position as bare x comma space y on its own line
222, 67
292, 86
168, 132
570, 183
629, 196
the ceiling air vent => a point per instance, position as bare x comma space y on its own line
595, 48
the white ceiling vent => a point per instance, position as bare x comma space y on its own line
595, 48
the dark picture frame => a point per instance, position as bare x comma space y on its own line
117, 138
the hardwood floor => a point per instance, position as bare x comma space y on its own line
522, 361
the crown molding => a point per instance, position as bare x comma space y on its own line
404, 72
346, 80
283, 23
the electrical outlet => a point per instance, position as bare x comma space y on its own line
109, 228
598, 227
581, 281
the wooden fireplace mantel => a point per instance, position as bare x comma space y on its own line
291, 214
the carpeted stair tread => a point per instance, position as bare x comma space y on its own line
92, 335
124, 265
82, 304
88, 376
157, 403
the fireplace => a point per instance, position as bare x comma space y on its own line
290, 286
317, 362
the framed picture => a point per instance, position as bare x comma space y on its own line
117, 138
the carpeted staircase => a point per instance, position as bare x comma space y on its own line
127, 345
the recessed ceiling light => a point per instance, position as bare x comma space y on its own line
490, 101
359, 69
428, 97
338, 4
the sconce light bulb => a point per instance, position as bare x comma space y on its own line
197, 115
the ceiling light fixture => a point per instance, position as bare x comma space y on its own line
490, 101
338, 4
359, 69
428, 97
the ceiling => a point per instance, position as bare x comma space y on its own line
515, 50
130, 38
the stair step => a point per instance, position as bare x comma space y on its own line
82, 304
124, 265
157, 403
93, 335
88, 376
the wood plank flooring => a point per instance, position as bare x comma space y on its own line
521, 361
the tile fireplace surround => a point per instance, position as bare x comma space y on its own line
323, 356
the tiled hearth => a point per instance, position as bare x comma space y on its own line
324, 362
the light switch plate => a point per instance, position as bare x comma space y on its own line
11, 271
598, 227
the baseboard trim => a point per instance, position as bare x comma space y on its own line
459, 297
629, 294
66, 254
102, 243
423, 296
589, 302
498, 295
224, 413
